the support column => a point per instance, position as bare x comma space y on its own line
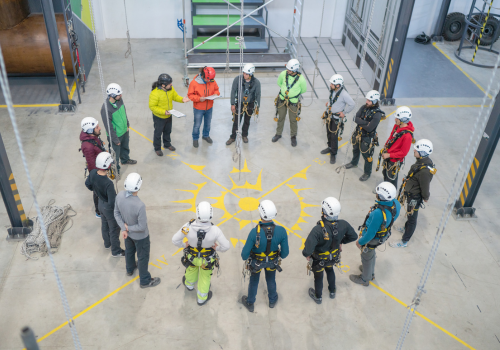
438, 29
67, 105
464, 206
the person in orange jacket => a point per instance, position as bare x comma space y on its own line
200, 88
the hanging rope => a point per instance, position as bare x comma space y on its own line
476, 135
129, 46
227, 70
4, 85
316, 69
241, 43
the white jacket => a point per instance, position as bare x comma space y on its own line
214, 234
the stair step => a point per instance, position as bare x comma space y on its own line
221, 20
217, 44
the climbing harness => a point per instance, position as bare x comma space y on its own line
329, 117
129, 46
393, 170
285, 101
359, 133
93, 142
329, 258
385, 230
209, 255
270, 260
403, 197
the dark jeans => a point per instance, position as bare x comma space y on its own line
332, 137
199, 116
394, 181
318, 281
122, 151
96, 204
254, 285
142, 247
356, 151
411, 222
110, 229
162, 126
246, 124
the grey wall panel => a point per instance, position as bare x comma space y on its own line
87, 46
36, 6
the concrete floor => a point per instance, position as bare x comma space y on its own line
461, 293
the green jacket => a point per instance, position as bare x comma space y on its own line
299, 88
160, 101
117, 117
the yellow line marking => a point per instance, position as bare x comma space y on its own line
36, 105
417, 106
72, 90
163, 262
460, 68
425, 318
462, 106
433, 106
155, 265
448, 106
11, 176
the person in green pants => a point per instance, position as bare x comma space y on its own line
292, 84
201, 241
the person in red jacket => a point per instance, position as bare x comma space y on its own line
92, 145
203, 86
397, 145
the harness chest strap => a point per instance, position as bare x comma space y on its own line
384, 232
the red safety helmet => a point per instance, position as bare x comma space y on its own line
209, 73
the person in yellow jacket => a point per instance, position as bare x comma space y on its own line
160, 103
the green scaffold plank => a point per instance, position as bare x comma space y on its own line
217, 43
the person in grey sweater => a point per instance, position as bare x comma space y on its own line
130, 214
250, 101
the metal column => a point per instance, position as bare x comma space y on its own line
464, 206
11, 198
49, 17
438, 29
398, 45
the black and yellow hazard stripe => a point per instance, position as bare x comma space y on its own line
388, 79
468, 182
17, 197
482, 31
65, 78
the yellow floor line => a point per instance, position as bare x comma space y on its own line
43, 104
72, 90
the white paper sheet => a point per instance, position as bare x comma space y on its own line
213, 97
177, 113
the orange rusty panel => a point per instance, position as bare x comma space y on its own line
13, 12
26, 47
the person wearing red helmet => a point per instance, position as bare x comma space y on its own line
200, 88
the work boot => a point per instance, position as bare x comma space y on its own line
206, 301
195, 143
130, 161
313, 296
350, 166
364, 177
119, 255
294, 141
333, 159
326, 150
230, 141
276, 138
171, 148
361, 269
208, 139
332, 294
185, 285
132, 273
154, 282
272, 305
245, 139
159, 153
246, 304
358, 280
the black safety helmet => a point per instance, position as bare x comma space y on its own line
164, 79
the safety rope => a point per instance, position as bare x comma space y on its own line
4, 85
474, 139
101, 77
316, 69
241, 43
129, 46
227, 70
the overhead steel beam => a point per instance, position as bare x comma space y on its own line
438, 29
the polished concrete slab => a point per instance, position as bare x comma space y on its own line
461, 293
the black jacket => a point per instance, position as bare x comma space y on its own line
366, 126
316, 243
419, 184
103, 188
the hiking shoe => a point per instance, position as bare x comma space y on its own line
230, 141
185, 285
154, 282
208, 139
332, 295
361, 269
398, 244
171, 148
195, 143
294, 141
208, 298
364, 177
131, 273
98, 216
119, 255
245, 139
400, 229
312, 294
276, 138
350, 166
326, 150
130, 161
333, 159
246, 304
358, 280
272, 305
159, 153
107, 248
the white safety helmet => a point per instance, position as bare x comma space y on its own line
337, 79
331, 208
204, 212
423, 147
404, 114
114, 90
267, 210
373, 96
293, 65
386, 191
103, 160
133, 182
249, 68
89, 124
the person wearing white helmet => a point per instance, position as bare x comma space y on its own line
91, 146
364, 139
265, 247
339, 103
201, 241
415, 188
118, 136
397, 145
323, 247
292, 84
130, 213
375, 231
250, 101
99, 183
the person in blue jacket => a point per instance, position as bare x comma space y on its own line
266, 245
376, 230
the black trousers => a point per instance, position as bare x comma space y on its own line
245, 118
162, 126
141, 247
96, 204
318, 281
389, 165
411, 222
109, 229
332, 136
356, 152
